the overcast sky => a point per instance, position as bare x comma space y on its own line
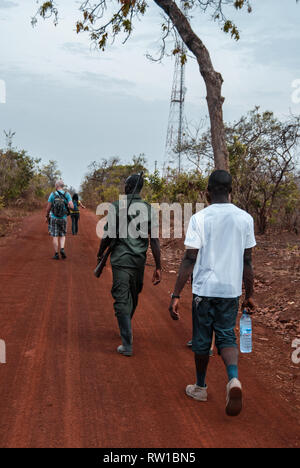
75, 105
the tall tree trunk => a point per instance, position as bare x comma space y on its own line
213, 80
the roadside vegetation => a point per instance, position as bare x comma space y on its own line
263, 158
24, 184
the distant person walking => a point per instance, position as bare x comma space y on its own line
75, 213
219, 244
59, 204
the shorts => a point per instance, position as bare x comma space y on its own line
58, 227
212, 314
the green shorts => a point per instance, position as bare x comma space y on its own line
212, 314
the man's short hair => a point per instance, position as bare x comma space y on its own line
131, 182
220, 183
59, 183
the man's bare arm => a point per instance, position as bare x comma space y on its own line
48, 210
185, 270
248, 279
155, 247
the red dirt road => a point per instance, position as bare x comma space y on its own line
64, 385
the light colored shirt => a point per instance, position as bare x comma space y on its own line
52, 198
221, 232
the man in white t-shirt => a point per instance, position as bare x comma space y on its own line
219, 244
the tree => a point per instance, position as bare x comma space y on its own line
95, 23
51, 172
16, 173
263, 154
105, 181
263, 158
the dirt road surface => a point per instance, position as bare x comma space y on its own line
64, 385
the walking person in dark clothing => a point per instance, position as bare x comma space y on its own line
128, 257
75, 213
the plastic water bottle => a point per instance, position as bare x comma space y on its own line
246, 333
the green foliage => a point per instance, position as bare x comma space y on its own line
156, 187
16, 172
51, 172
186, 187
263, 159
22, 180
124, 14
229, 27
105, 182
262, 153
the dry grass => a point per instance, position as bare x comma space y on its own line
14, 213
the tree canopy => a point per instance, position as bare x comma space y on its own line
103, 25
263, 157
123, 13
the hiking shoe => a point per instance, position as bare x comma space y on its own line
56, 256
122, 350
196, 392
63, 254
189, 344
234, 401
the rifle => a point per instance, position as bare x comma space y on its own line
103, 260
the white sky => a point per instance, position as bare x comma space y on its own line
76, 105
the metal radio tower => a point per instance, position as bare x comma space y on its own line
176, 116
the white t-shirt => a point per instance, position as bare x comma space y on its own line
221, 232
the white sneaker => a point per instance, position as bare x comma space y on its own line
234, 400
196, 392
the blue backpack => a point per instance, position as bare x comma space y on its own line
76, 206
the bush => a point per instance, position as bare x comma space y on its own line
22, 180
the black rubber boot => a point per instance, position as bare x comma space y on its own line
63, 254
124, 322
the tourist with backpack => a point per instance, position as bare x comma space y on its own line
59, 204
75, 213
